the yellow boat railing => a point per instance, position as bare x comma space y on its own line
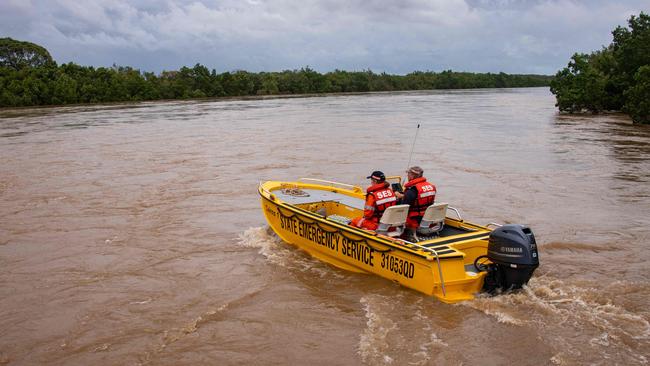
425, 249
261, 188
332, 183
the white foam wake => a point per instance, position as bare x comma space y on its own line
282, 254
572, 315
392, 338
373, 343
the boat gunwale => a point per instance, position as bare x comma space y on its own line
393, 244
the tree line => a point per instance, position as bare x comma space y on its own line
615, 78
29, 77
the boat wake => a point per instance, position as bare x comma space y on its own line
572, 315
383, 342
282, 254
184, 330
565, 315
373, 344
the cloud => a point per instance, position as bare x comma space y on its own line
396, 37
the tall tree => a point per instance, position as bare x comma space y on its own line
614, 78
638, 97
579, 86
18, 54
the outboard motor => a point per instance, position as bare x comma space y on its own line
513, 253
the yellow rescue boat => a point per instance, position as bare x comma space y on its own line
451, 260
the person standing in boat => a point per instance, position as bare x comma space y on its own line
418, 194
379, 197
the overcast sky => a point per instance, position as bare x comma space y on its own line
513, 36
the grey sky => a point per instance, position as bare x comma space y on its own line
514, 36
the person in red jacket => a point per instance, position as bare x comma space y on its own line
418, 194
379, 196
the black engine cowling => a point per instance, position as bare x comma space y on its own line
513, 253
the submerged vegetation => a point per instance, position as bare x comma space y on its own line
29, 77
616, 78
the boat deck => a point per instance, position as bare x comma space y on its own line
317, 195
300, 197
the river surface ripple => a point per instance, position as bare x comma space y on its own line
133, 234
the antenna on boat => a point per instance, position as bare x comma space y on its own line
413, 146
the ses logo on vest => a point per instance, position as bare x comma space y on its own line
384, 194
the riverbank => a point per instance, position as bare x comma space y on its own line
71, 84
249, 97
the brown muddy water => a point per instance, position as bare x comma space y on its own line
133, 234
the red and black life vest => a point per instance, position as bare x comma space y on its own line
384, 197
426, 196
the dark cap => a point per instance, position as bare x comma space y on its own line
377, 175
416, 170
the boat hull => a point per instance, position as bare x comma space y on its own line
445, 276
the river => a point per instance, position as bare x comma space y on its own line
132, 234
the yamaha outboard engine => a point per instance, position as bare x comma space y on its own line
513, 253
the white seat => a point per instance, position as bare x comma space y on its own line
393, 221
433, 220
